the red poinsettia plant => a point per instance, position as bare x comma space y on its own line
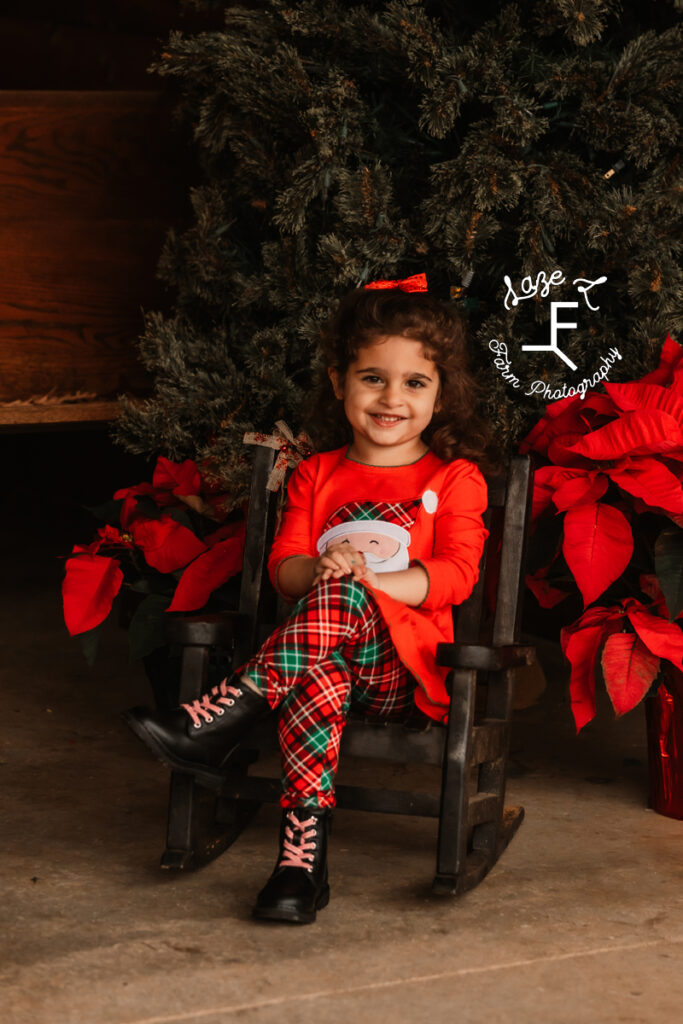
173, 541
608, 518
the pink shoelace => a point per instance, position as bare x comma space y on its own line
203, 709
297, 852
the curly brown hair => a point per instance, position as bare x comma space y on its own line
364, 316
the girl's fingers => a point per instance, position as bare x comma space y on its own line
336, 571
338, 564
325, 574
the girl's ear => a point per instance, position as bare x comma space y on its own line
337, 385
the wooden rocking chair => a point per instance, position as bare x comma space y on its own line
474, 825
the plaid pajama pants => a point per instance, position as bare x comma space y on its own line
332, 654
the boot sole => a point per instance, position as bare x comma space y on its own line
289, 914
213, 778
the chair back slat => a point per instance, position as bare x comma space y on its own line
258, 539
510, 578
496, 486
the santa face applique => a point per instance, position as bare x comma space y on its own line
380, 529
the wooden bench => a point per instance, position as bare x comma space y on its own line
474, 824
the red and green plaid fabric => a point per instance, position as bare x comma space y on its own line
402, 513
332, 654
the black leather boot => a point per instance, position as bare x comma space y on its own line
198, 738
298, 886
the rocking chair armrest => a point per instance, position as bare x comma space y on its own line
484, 656
219, 629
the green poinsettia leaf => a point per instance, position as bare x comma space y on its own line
90, 643
669, 568
146, 632
546, 542
108, 511
146, 507
140, 586
182, 516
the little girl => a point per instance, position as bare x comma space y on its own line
378, 539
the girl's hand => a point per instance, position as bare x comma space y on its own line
339, 560
370, 577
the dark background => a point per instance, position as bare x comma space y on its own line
89, 44
51, 473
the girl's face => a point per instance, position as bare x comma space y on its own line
390, 393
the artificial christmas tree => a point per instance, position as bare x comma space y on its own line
343, 142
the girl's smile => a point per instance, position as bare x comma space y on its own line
390, 393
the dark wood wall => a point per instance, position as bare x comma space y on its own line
93, 171
90, 44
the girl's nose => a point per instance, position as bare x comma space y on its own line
392, 394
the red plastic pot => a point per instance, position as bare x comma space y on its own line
664, 716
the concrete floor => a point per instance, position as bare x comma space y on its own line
581, 920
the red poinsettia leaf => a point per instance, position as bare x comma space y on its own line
640, 432
132, 508
166, 544
660, 636
577, 405
599, 614
546, 595
670, 360
207, 573
637, 395
581, 649
90, 585
181, 478
127, 492
568, 416
597, 546
554, 410
160, 496
561, 451
580, 643
535, 440
629, 670
648, 479
109, 535
547, 479
596, 404
580, 490
673, 464
552, 423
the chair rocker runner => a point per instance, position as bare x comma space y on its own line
474, 825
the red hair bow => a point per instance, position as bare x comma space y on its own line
416, 283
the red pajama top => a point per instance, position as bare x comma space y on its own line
429, 511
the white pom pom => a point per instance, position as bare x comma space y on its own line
430, 502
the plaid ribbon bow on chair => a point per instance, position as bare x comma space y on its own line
291, 450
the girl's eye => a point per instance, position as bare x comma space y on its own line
371, 378
416, 384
